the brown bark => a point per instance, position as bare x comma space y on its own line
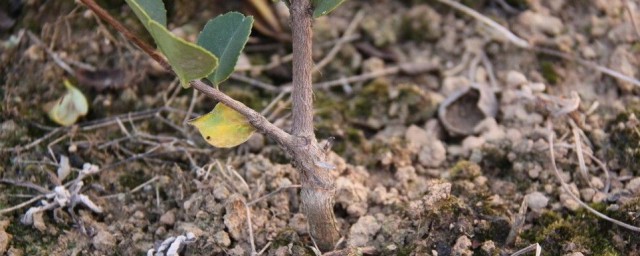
318, 186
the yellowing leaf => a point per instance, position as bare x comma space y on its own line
70, 107
223, 127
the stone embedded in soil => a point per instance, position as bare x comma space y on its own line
104, 241
235, 217
634, 186
363, 231
537, 201
298, 223
188, 227
168, 218
433, 154
515, 78
352, 196
568, 202
417, 136
625, 62
541, 22
462, 246
222, 238
5, 238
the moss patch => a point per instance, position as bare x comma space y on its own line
581, 230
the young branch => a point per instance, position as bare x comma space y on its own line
256, 120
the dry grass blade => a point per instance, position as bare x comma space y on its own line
524, 44
566, 188
489, 22
534, 247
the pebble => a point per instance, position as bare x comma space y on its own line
462, 246
363, 231
433, 154
5, 238
599, 197
537, 201
168, 218
597, 183
568, 202
634, 186
541, 22
587, 194
515, 78
417, 136
104, 241
222, 238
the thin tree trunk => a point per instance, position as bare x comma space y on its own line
318, 186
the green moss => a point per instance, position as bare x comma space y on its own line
625, 141
464, 170
548, 72
132, 179
583, 229
31, 241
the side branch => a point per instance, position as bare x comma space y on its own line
256, 120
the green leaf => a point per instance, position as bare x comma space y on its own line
188, 60
324, 7
70, 107
225, 37
223, 127
147, 10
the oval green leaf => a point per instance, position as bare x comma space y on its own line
70, 107
188, 60
324, 7
147, 10
223, 127
225, 37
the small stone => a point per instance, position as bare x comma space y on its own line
597, 183
417, 136
462, 246
534, 173
599, 197
363, 231
489, 247
104, 241
299, 223
221, 193
138, 215
568, 202
541, 22
433, 154
472, 142
587, 194
574, 254
222, 238
634, 186
515, 78
537, 201
168, 218
188, 227
5, 238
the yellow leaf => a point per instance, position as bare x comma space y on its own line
223, 127
70, 107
